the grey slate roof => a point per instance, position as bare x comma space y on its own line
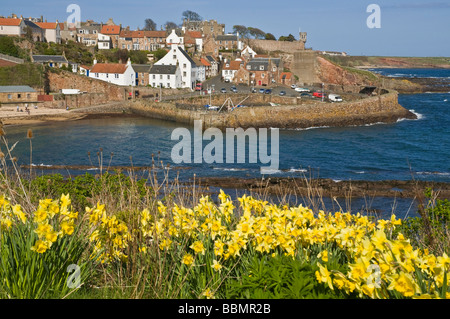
255, 65
210, 58
163, 69
16, 89
187, 56
31, 24
141, 68
49, 58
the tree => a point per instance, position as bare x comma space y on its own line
171, 25
122, 55
270, 36
289, 38
191, 16
150, 25
159, 54
8, 47
256, 33
242, 30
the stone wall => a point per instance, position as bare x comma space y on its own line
273, 45
96, 91
383, 108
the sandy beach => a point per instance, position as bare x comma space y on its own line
10, 116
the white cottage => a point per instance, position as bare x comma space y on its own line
178, 56
165, 76
115, 73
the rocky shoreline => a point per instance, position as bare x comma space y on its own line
329, 188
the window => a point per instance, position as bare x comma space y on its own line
116, 76
96, 75
168, 77
261, 67
19, 96
161, 77
9, 96
28, 96
154, 77
107, 75
184, 73
174, 57
168, 85
263, 75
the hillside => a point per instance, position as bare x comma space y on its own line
390, 62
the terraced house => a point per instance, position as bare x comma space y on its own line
12, 26
142, 40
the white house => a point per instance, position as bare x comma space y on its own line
248, 52
115, 73
12, 26
178, 56
52, 31
104, 42
229, 69
173, 38
165, 76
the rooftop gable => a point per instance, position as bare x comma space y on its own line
110, 68
10, 21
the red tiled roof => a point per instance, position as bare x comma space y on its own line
61, 26
286, 75
142, 34
205, 62
47, 25
233, 65
193, 34
110, 29
109, 68
10, 21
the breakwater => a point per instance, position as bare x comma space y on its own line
376, 109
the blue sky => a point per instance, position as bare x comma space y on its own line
408, 27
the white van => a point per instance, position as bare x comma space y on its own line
334, 98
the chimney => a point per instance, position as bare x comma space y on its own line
129, 62
95, 62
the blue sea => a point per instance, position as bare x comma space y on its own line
408, 149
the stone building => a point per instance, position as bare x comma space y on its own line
21, 96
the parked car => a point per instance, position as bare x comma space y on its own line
318, 94
198, 87
282, 93
253, 90
223, 90
234, 89
294, 86
262, 91
268, 91
304, 94
334, 98
302, 90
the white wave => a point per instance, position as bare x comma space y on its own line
230, 169
434, 173
377, 123
360, 172
445, 100
93, 169
311, 128
268, 171
337, 180
295, 170
419, 116
41, 165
